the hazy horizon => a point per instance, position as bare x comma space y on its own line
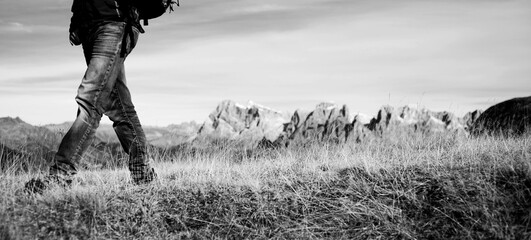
289, 113
443, 55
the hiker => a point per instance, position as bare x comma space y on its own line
108, 30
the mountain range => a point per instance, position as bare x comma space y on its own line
257, 126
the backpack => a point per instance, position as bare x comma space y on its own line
149, 9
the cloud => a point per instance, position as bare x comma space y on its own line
289, 54
14, 27
206, 19
17, 27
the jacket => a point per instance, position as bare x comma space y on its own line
87, 12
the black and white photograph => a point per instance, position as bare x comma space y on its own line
278, 119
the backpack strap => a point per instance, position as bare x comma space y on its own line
128, 32
131, 20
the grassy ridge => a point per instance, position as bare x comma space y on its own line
419, 187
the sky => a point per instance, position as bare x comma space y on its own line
450, 55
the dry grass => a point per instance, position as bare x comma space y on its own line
414, 187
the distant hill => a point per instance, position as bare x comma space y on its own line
158, 136
511, 117
22, 144
15, 133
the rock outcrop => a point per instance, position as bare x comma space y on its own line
360, 130
327, 122
408, 118
246, 124
259, 126
470, 118
508, 118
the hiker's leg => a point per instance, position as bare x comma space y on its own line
129, 131
102, 51
127, 125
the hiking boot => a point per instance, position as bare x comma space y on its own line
145, 178
38, 186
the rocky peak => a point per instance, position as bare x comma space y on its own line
418, 119
326, 106
262, 108
327, 121
235, 121
470, 118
